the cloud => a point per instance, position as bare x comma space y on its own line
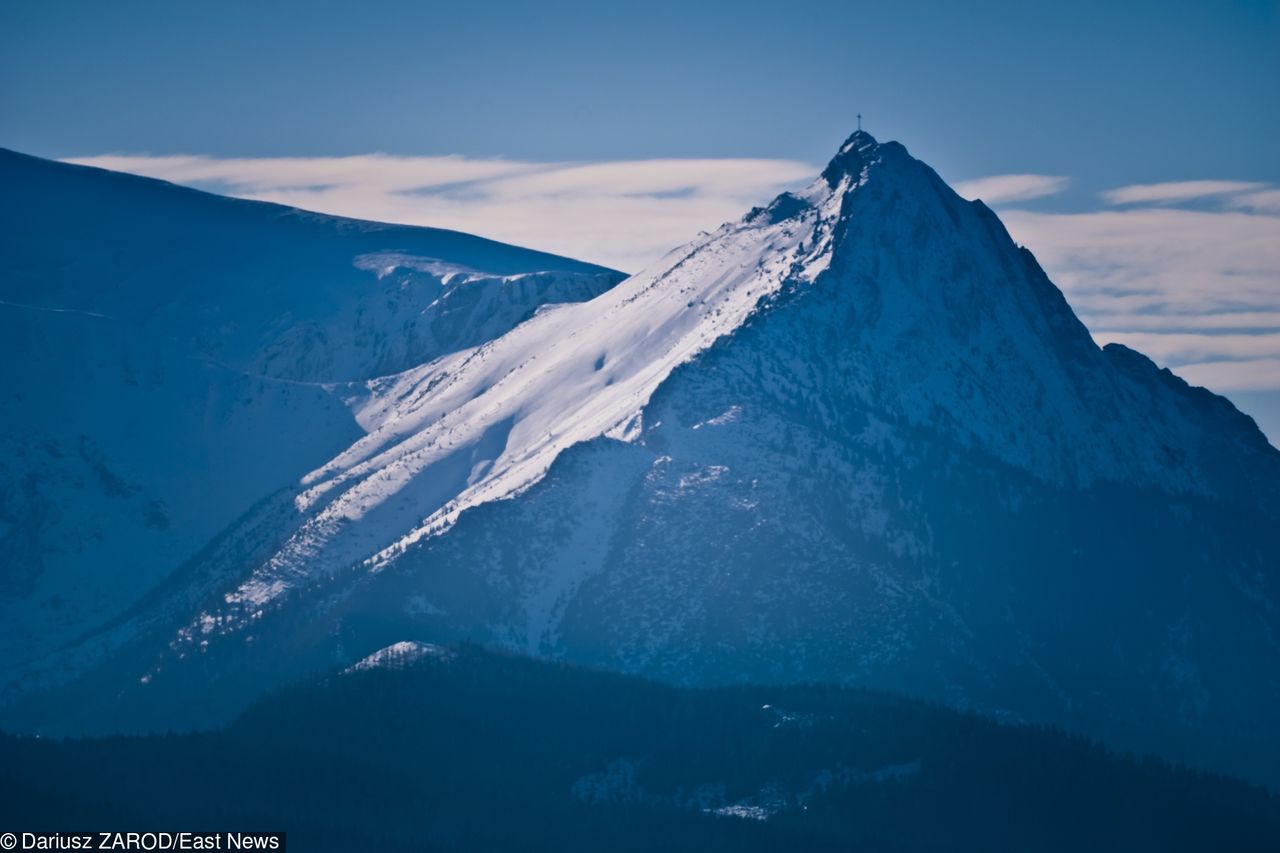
1262, 201
1226, 376
1157, 260
1196, 290
624, 214
1002, 189
1178, 191
1190, 347
1186, 272
1174, 321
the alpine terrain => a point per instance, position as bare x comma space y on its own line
174, 359
857, 436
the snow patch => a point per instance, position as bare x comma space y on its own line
400, 654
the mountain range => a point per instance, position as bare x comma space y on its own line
856, 437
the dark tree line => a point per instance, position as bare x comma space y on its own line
489, 751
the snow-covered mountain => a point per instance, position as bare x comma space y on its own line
855, 436
172, 358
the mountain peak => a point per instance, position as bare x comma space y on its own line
823, 412
859, 139
854, 154
936, 319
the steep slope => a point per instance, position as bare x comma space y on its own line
954, 329
422, 748
914, 471
856, 436
169, 358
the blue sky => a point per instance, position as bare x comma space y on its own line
1128, 92
1131, 145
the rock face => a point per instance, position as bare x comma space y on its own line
857, 436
